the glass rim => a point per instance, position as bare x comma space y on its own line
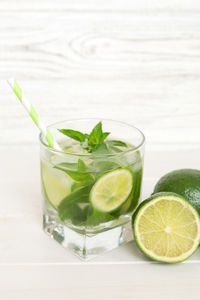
134, 148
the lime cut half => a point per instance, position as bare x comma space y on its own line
56, 186
167, 228
112, 190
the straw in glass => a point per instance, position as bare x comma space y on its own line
33, 114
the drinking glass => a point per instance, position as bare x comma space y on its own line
68, 178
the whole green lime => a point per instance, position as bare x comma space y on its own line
185, 182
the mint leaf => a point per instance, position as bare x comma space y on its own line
79, 176
115, 149
77, 209
103, 166
81, 165
76, 135
104, 136
76, 206
77, 186
101, 149
66, 165
98, 217
95, 135
116, 143
88, 141
78, 173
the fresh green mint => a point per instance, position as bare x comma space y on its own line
97, 136
116, 143
76, 135
88, 141
76, 207
79, 174
70, 207
94, 143
103, 166
97, 217
101, 149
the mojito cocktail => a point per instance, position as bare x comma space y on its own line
92, 186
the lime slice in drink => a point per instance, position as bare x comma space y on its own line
56, 186
125, 207
167, 228
112, 190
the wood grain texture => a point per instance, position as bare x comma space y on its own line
22, 241
34, 266
145, 6
110, 282
135, 61
129, 60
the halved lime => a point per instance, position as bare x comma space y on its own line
56, 186
167, 228
112, 190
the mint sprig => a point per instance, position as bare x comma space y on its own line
88, 141
94, 143
97, 136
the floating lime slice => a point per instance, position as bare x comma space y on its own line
112, 190
56, 186
167, 228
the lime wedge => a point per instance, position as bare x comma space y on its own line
167, 228
56, 186
112, 190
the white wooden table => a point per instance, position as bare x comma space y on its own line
134, 61
34, 266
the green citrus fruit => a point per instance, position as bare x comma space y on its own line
112, 190
55, 186
185, 182
167, 228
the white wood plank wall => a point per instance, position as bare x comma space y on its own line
136, 61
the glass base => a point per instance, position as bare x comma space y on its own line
87, 245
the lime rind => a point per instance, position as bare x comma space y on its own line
98, 198
184, 182
152, 200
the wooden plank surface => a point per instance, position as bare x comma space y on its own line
165, 123
88, 5
22, 238
32, 265
133, 61
112, 282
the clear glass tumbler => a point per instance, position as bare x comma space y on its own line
76, 183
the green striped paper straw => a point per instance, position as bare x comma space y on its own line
33, 114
